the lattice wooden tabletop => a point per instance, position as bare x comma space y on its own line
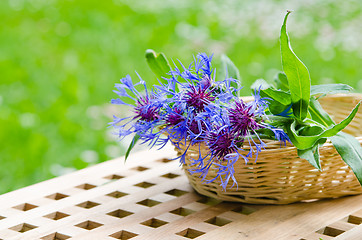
150, 198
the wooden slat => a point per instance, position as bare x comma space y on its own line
290, 221
353, 234
149, 198
317, 236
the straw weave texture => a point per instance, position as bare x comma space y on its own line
279, 176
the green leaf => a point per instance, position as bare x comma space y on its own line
310, 130
281, 81
351, 152
277, 95
330, 89
158, 64
131, 145
312, 154
305, 142
279, 120
228, 69
277, 108
340, 126
281, 100
318, 114
300, 141
297, 75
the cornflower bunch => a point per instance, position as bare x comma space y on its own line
192, 107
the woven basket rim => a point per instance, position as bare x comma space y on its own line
328, 143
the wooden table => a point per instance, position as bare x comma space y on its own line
150, 198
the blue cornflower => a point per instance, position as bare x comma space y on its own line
280, 135
197, 90
259, 104
192, 108
247, 118
205, 64
222, 142
198, 86
242, 118
224, 152
198, 97
146, 109
176, 124
226, 171
174, 116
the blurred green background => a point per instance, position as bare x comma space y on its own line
59, 61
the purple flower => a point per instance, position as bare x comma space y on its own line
222, 142
198, 97
174, 117
145, 110
224, 152
242, 118
175, 124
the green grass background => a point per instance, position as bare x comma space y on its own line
59, 61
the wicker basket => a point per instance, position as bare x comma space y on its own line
279, 176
